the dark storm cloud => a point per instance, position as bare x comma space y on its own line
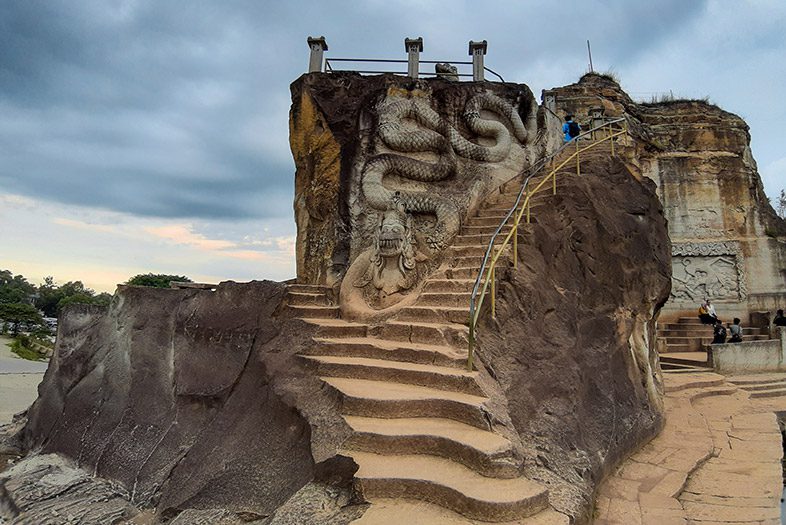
179, 108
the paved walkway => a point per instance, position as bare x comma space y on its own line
717, 461
19, 379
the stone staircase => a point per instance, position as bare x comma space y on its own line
761, 385
421, 427
422, 430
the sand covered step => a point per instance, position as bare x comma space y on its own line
481, 450
449, 484
447, 334
775, 392
453, 299
458, 273
338, 328
437, 285
768, 385
472, 239
375, 348
688, 381
315, 312
307, 299
473, 250
482, 230
432, 376
400, 511
485, 221
757, 379
435, 314
385, 399
308, 288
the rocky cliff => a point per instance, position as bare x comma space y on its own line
573, 344
727, 242
191, 400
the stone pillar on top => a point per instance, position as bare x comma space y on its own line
476, 51
413, 47
318, 46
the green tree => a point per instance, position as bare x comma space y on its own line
15, 288
52, 298
20, 313
781, 208
158, 280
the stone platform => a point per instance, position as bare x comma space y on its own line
717, 461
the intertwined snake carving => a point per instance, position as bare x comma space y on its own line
440, 137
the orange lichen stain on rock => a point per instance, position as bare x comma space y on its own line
396, 91
317, 157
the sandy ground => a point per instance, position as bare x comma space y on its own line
19, 379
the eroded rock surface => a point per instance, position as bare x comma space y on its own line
190, 399
573, 343
727, 242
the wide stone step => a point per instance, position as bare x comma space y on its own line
483, 230
776, 392
486, 221
412, 512
775, 385
460, 299
316, 312
705, 331
432, 376
308, 288
459, 273
448, 285
384, 399
473, 240
481, 450
338, 328
447, 334
435, 314
450, 485
468, 250
404, 351
307, 299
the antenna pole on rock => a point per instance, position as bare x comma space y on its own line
589, 52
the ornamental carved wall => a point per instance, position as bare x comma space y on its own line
711, 270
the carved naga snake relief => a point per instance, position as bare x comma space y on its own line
434, 134
440, 137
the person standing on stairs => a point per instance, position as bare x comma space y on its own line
779, 320
570, 128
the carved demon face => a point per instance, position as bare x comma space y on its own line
392, 235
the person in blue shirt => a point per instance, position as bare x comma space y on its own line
570, 129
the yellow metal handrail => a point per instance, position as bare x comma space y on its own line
475, 304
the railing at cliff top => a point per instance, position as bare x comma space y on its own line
493, 253
329, 63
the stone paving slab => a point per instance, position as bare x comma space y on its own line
717, 461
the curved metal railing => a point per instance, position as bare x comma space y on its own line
489, 263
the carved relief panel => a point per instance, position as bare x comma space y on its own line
707, 270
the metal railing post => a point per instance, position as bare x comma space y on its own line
515, 245
413, 47
528, 209
578, 152
318, 46
612, 145
493, 293
553, 182
476, 51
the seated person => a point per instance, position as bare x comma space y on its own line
718, 333
779, 320
736, 331
707, 313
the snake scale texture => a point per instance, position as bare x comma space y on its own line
436, 135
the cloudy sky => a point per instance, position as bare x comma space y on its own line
151, 135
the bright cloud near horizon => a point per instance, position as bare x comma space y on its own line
152, 136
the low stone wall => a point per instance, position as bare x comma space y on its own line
751, 356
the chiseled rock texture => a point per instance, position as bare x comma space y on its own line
572, 346
333, 132
192, 399
727, 242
